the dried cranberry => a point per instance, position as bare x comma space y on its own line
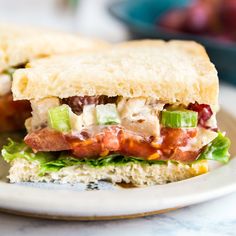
204, 112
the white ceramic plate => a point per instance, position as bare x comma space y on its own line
75, 202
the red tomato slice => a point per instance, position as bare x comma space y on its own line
135, 145
118, 140
47, 140
173, 138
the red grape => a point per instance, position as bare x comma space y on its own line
198, 18
173, 20
204, 112
228, 15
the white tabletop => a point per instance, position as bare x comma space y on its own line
215, 218
212, 218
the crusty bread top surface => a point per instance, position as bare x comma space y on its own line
174, 71
20, 44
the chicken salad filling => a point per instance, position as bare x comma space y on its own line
101, 129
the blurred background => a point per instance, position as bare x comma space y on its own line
210, 22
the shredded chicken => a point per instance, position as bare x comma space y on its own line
40, 112
5, 84
140, 115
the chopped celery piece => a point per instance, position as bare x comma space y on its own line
179, 118
59, 118
107, 114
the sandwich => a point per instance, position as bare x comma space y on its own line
141, 112
19, 45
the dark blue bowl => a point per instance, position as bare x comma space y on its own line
140, 16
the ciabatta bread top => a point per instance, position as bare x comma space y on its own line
175, 71
20, 44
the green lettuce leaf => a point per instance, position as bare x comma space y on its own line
217, 150
114, 159
51, 162
15, 150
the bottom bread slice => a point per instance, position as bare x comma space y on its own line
137, 174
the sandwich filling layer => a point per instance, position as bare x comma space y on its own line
102, 130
